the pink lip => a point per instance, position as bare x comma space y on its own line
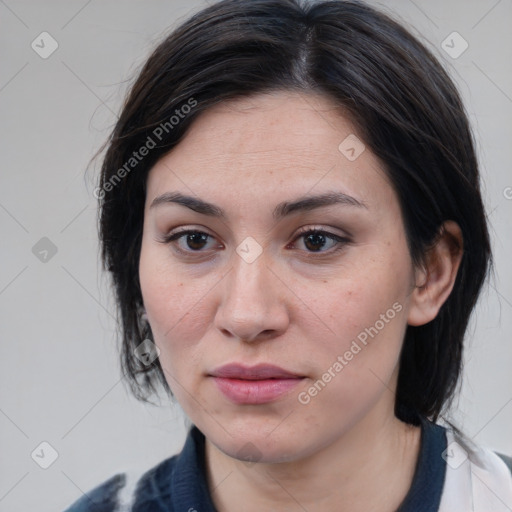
254, 385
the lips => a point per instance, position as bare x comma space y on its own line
254, 385
259, 372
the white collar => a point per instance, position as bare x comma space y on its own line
476, 480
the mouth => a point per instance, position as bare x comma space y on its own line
254, 385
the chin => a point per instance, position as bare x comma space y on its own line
257, 451
258, 441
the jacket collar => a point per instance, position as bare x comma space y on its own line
189, 490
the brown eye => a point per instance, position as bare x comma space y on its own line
196, 241
316, 240
188, 240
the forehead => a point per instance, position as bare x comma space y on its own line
279, 144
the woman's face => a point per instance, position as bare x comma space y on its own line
253, 287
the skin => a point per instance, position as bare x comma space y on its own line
344, 450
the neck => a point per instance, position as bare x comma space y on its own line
370, 467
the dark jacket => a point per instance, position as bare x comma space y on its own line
178, 484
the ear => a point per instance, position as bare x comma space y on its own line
434, 281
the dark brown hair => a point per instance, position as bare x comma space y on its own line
402, 102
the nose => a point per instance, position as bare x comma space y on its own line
253, 305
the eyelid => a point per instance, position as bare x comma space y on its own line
176, 234
324, 229
301, 231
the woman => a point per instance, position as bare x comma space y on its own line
291, 216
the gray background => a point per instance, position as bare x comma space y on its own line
60, 380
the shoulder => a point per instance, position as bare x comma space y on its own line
477, 478
102, 498
125, 489
173, 484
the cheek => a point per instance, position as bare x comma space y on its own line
176, 307
354, 367
357, 299
162, 294
365, 322
365, 310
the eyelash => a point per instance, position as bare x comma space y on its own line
341, 241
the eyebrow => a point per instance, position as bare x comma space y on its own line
305, 203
